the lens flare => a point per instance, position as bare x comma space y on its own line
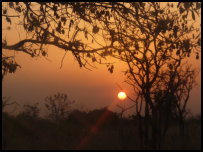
122, 95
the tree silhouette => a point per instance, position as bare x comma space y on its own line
154, 50
58, 106
71, 26
154, 42
186, 81
30, 111
88, 29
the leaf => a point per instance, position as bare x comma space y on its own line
88, 55
199, 41
44, 53
110, 69
172, 5
197, 56
59, 24
71, 21
177, 44
95, 30
8, 19
198, 6
107, 14
137, 46
41, 8
186, 44
112, 32
193, 15
187, 5
149, 25
178, 4
4, 11
57, 16
18, 9
11, 4
98, 15
54, 8
175, 30
172, 46
85, 33
102, 12
197, 36
181, 10
8, 28
92, 10
178, 52
94, 59
63, 19
170, 66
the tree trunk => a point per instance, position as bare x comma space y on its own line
182, 130
155, 131
140, 129
146, 126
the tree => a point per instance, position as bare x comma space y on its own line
186, 81
154, 48
172, 99
8, 65
58, 106
79, 27
71, 26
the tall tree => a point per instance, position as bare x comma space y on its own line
154, 41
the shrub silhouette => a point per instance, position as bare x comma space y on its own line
30, 111
58, 106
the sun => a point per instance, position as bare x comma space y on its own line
122, 95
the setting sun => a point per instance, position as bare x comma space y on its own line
122, 95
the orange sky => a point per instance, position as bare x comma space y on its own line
39, 78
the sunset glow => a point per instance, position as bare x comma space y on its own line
122, 95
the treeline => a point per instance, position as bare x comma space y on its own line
96, 129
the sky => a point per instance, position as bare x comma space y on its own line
40, 77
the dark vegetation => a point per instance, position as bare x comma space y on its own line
25, 132
95, 129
